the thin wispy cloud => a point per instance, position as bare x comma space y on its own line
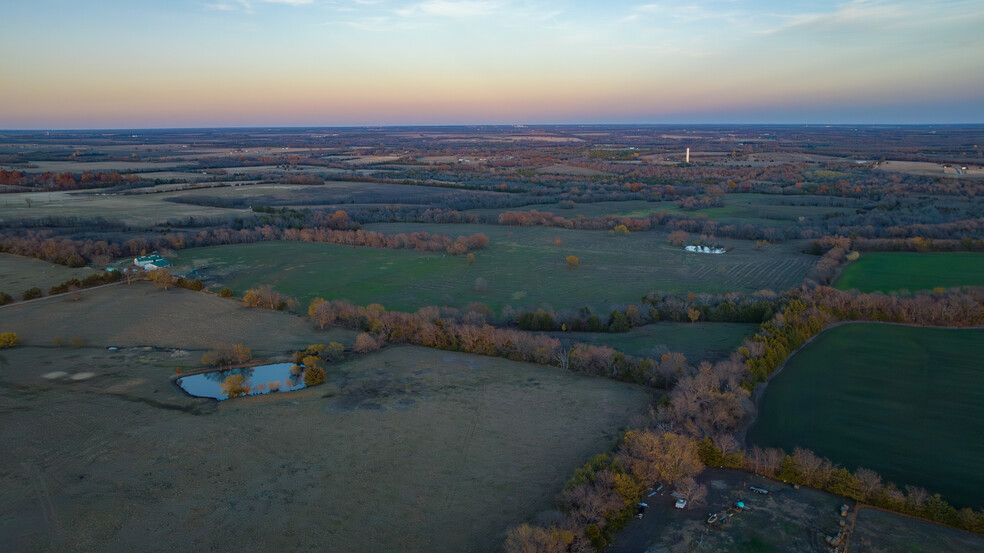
684, 11
248, 5
231, 6
451, 8
869, 15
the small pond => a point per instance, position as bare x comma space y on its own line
264, 379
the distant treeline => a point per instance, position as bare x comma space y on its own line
468, 331
63, 181
733, 307
76, 253
917, 244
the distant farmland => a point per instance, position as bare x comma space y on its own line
758, 209
904, 401
889, 271
523, 266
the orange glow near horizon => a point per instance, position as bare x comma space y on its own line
447, 62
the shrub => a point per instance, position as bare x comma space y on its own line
8, 339
333, 352
5, 298
196, 285
365, 343
33, 293
314, 375
226, 292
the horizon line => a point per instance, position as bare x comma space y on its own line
470, 125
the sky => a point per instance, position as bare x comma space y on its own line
83, 64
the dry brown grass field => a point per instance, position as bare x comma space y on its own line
925, 168
146, 209
408, 449
139, 314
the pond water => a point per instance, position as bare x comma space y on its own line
264, 379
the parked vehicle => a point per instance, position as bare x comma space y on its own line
762, 491
656, 488
680, 503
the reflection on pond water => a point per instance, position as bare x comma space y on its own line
279, 377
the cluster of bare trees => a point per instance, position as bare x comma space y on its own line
604, 492
704, 201
422, 241
438, 328
265, 296
709, 402
468, 331
805, 467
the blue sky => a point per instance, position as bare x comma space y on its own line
114, 63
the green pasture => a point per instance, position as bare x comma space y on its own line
889, 271
523, 267
903, 401
697, 341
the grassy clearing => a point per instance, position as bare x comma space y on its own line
22, 273
879, 531
785, 521
903, 401
697, 341
141, 315
522, 267
409, 449
890, 271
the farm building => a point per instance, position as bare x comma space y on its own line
705, 249
151, 262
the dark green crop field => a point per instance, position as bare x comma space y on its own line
904, 401
888, 271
